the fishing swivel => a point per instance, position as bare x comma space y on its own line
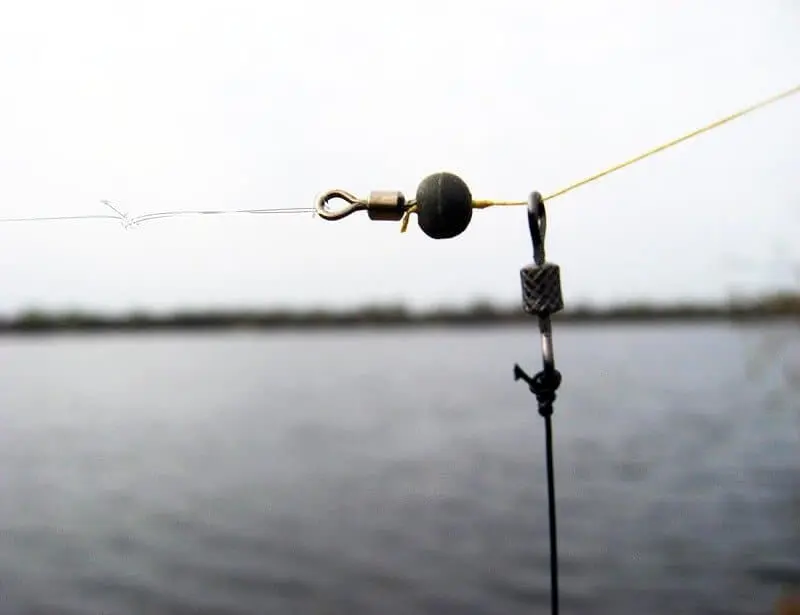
381, 205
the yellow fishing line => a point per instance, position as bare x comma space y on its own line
733, 116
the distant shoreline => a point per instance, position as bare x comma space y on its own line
775, 307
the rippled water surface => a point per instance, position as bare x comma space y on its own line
393, 472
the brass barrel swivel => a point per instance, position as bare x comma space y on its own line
381, 205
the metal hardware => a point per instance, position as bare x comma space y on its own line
541, 297
381, 205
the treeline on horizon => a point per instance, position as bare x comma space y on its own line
784, 305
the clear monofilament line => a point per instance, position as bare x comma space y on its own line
128, 221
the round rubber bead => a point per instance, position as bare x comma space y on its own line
444, 205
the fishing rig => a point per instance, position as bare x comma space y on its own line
387, 205
444, 205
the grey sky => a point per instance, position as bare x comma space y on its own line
193, 104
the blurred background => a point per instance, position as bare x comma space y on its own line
279, 414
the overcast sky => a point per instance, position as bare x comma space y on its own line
195, 104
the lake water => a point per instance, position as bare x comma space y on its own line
394, 472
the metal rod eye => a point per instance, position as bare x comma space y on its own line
354, 204
537, 223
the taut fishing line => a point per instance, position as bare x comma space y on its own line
129, 221
385, 205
